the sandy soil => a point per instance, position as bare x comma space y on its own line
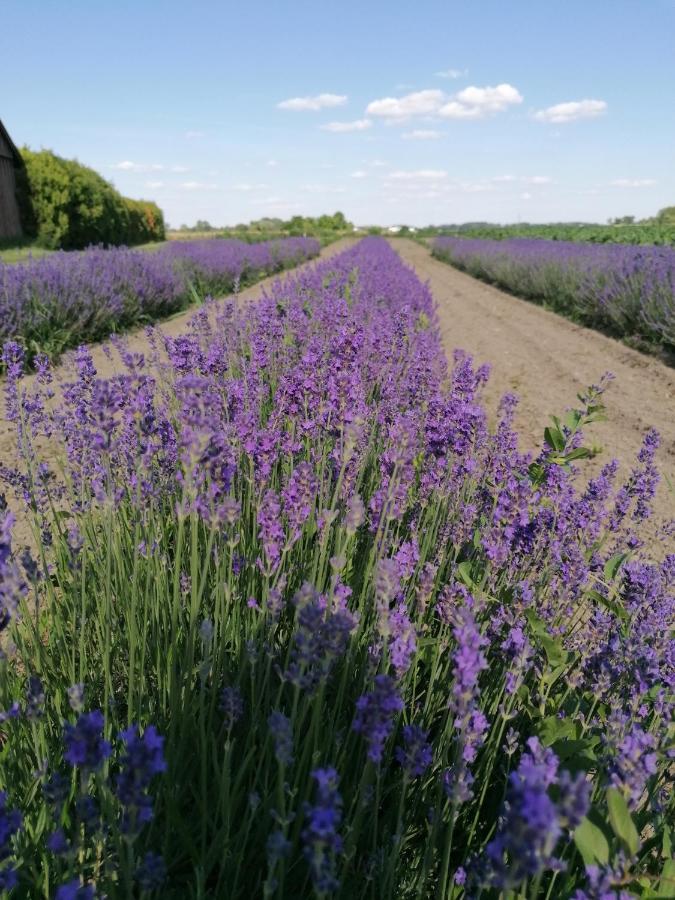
547, 360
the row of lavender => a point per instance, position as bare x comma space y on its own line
301, 624
628, 290
65, 299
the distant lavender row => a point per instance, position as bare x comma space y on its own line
62, 300
629, 290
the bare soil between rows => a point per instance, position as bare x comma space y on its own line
546, 360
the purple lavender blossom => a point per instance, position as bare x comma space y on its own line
416, 754
322, 843
533, 823
10, 824
320, 638
143, 758
281, 729
271, 531
375, 714
231, 705
84, 742
57, 842
75, 890
151, 873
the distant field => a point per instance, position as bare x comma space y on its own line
648, 233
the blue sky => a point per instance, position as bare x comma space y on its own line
401, 112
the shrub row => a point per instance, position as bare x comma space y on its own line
69, 206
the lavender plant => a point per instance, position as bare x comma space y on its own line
315, 629
627, 290
65, 299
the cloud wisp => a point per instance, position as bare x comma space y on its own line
452, 74
346, 127
572, 111
633, 182
470, 103
421, 134
314, 103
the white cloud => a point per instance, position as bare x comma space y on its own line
245, 187
193, 135
479, 102
344, 127
154, 184
562, 113
272, 163
313, 104
420, 103
322, 189
452, 73
470, 103
378, 164
633, 182
179, 169
421, 134
526, 196
419, 175
475, 187
526, 179
359, 174
197, 186
128, 166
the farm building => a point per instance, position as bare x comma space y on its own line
10, 161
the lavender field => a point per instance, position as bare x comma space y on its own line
627, 290
54, 303
299, 623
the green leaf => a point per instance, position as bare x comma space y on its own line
552, 729
579, 453
464, 571
667, 880
555, 652
591, 843
612, 605
554, 438
613, 565
621, 821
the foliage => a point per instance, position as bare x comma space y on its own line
315, 630
70, 206
629, 291
62, 300
660, 230
325, 228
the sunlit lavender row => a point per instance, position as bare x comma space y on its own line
299, 623
627, 290
57, 302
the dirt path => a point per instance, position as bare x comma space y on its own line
546, 360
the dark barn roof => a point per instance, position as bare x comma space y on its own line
11, 164
7, 142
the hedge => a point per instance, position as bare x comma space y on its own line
68, 206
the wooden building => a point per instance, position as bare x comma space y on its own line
10, 161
